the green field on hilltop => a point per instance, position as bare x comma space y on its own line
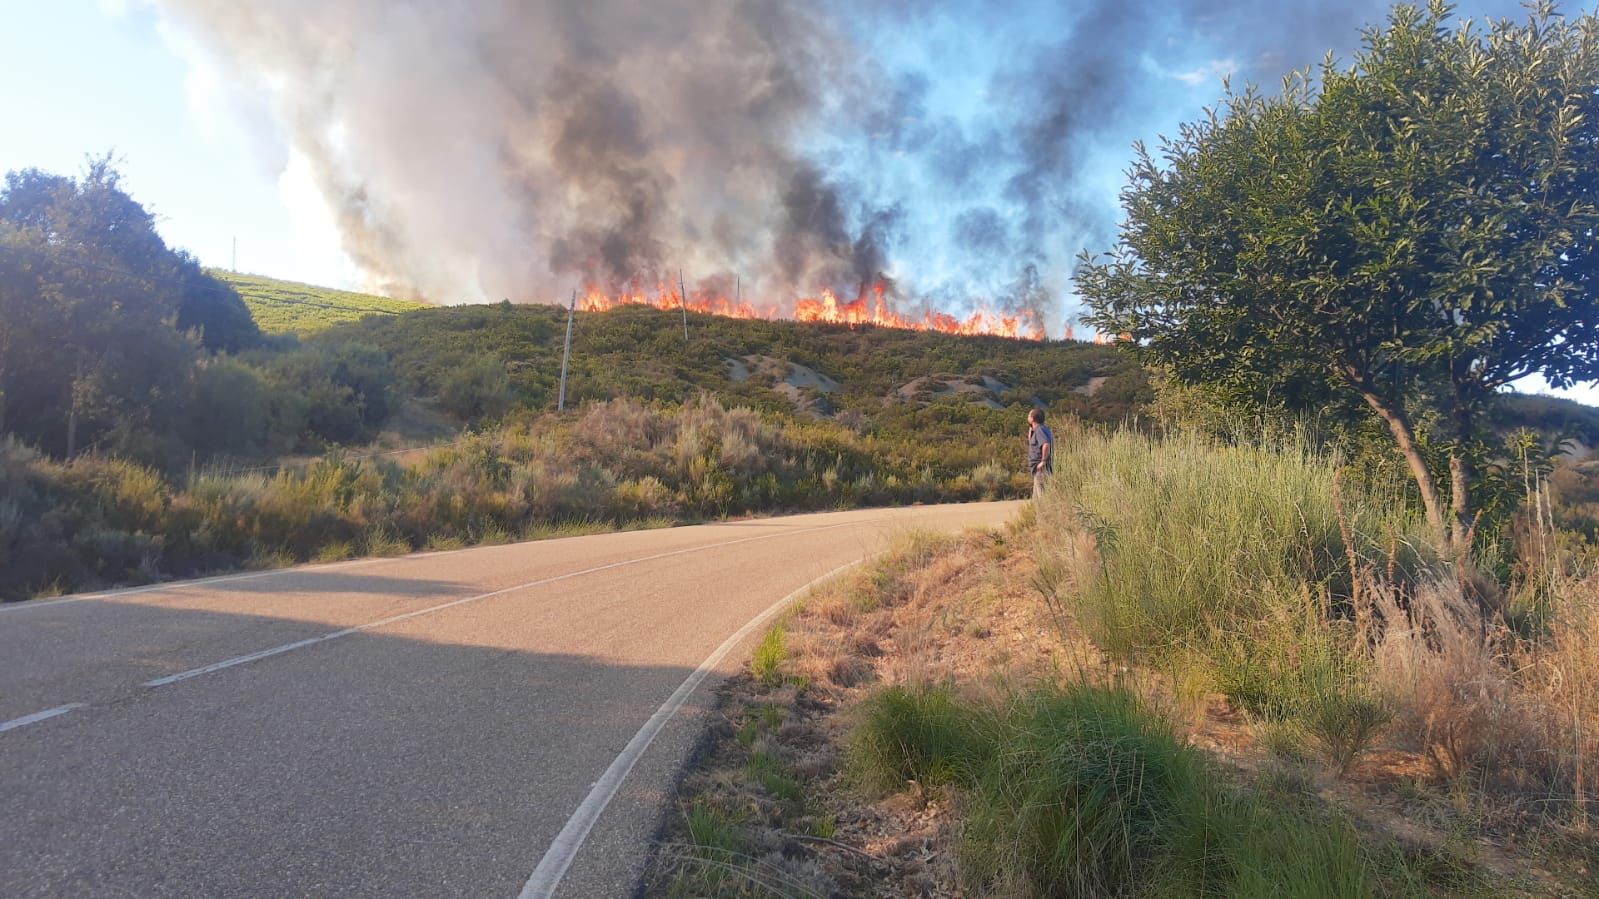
288, 307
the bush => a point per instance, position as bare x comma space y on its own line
476, 388
1082, 791
919, 735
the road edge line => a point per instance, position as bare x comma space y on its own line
546, 877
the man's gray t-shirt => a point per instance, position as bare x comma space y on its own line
1035, 447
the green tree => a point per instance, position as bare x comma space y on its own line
1417, 229
100, 323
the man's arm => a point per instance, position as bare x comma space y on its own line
1045, 448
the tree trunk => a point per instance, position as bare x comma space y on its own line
1462, 518
1405, 435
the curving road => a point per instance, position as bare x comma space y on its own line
487, 722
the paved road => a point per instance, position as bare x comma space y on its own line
421, 726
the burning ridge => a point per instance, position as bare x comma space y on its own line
870, 307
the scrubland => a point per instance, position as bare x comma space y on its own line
99, 522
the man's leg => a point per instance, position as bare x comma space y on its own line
1040, 478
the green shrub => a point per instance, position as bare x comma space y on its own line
1082, 791
766, 665
101, 522
1195, 534
920, 735
1343, 720
476, 387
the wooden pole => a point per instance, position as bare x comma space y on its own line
682, 299
566, 356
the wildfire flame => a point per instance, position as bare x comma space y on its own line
870, 308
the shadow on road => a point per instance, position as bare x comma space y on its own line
373, 765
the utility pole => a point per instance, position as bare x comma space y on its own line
682, 299
235, 268
738, 290
566, 357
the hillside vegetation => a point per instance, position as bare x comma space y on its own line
288, 307
210, 420
480, 359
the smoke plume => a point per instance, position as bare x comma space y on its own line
962, 152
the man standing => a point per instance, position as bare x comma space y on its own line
1040, 451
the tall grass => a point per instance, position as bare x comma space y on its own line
1196, 535
1310, 598
1083, 791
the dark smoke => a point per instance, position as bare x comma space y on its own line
478, 149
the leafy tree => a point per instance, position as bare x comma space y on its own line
1417, 229
93, 310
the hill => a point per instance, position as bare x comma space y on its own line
288, 307
863, 376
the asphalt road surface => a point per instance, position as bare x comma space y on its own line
499, 721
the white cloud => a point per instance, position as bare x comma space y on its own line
1215, 70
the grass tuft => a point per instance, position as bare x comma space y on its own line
1083, 791
767, 663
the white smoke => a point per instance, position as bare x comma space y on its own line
471, 150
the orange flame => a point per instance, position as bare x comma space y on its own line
871, 308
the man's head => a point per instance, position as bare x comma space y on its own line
1036, 417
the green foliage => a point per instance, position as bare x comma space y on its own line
620, 463
1416, 230
101, 324
1344, 719
339, 394
711, 828
477, 388
285, 307
920, 735
1082, 791
640, 353
767, 770
766, 665
1196, 535
111, 342
1232, 561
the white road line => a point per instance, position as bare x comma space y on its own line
36, 717
334, 635
547, 876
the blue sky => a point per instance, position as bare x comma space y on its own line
95, 76
87, 77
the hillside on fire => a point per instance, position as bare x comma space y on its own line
162, 420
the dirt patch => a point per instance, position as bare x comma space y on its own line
1092, 387
805, 387
982, 389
